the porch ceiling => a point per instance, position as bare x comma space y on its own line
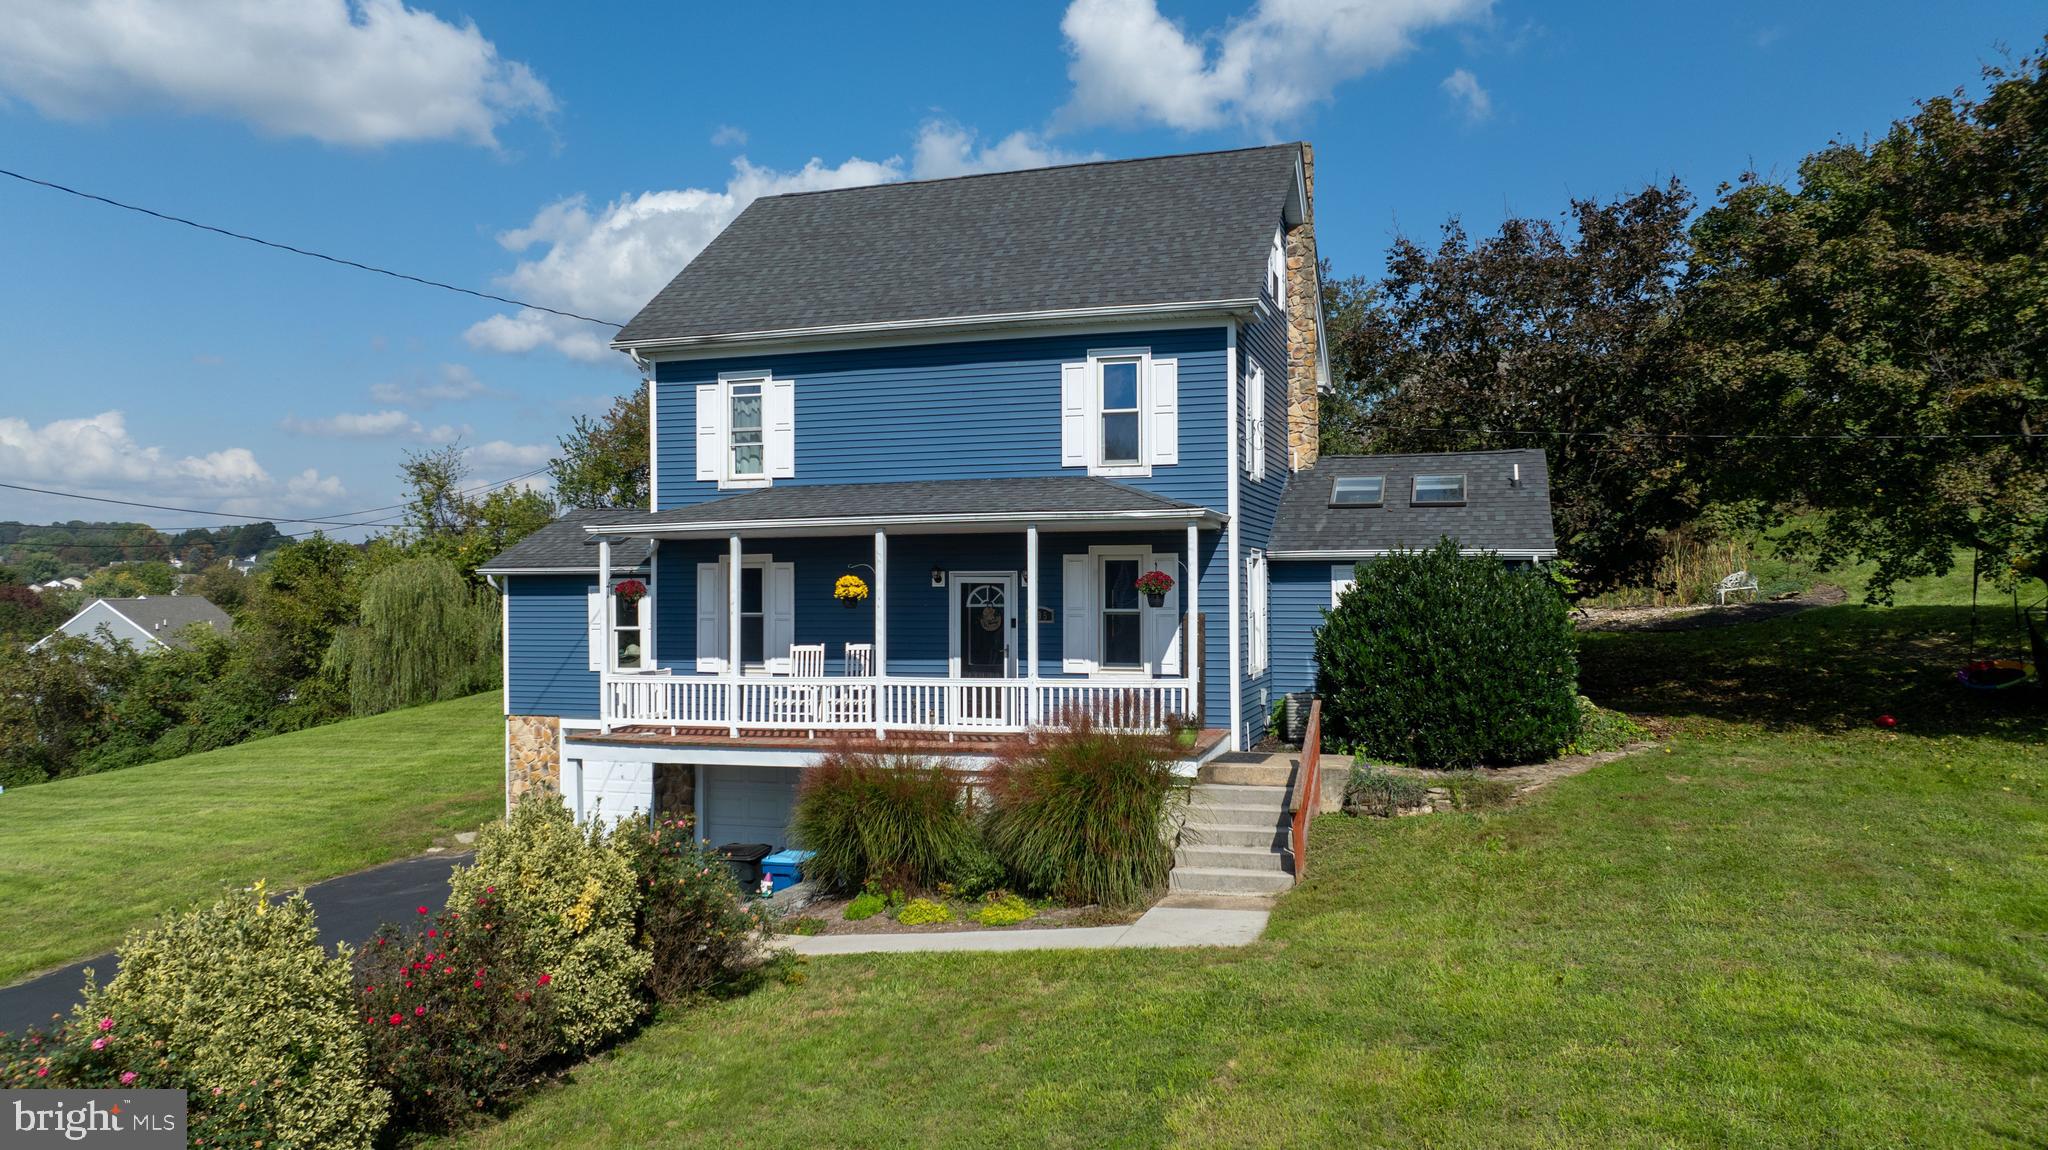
951, 505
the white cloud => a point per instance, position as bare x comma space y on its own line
1464, 90
97, 455
352, 72
728, 136
373, 425
453, 382
609, 262
945, 148
499, 453
1131, 64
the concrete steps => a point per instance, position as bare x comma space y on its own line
1234, 831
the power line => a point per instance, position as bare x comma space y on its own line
340, 519
330, 522
1736, 435
283, 247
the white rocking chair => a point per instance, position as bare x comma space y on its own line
798, 702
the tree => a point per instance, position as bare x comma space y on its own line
423, 633
1559, 338
444, 520
296, 604
1900, 290
604, 461
131, 579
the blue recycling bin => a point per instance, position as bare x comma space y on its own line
785, 868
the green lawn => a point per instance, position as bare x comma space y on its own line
1791, 928
84, 860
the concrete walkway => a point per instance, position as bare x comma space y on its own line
1162, 926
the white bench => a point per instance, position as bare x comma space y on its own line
1737, 581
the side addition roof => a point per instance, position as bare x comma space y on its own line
564, 547
1498, 514
1098, 237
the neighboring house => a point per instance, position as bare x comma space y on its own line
997, 400
147, 622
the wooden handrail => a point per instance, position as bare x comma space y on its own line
1308, 791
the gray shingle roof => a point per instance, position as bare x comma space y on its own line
564, 545
1496, 515
166, 615
1171, 229
952, 498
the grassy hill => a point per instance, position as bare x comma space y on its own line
88, 858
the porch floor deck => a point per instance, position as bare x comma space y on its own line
936, 742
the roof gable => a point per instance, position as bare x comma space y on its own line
1129, 234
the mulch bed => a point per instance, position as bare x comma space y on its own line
832, 912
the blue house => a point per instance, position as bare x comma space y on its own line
993, 404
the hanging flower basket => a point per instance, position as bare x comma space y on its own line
1155, 585
629, 591
850, 591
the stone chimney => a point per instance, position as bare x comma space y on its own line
1304, 414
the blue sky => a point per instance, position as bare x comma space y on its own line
579, 163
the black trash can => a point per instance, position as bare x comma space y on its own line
745, 861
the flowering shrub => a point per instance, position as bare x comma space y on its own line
237, 1005
570, 890
919, 911
456, 1022
700, 932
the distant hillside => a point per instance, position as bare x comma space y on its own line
39, 551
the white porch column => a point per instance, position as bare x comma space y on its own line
732, 633
1190, 655
881, 632
604, 604
1031, 717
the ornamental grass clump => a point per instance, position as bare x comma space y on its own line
1442, 660
456, 1022
1085, 815
900, 821
570, 889
700, 933
237, 1005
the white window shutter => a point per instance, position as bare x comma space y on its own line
780, 425
1077, 600
595, 623
710, 430
711, 642
1342, 576
1162, 623
1255, 609
1074, 415
780, 627
1165, 446
1259, 441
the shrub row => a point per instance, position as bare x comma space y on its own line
557, 940
1081, 815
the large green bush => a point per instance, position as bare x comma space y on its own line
898, 820
701, 933
1084, 815
570, 889
237, 1005
1439, 659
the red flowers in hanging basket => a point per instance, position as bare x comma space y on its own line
1155, 582
629, 590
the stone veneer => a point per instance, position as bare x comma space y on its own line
533, 755
1304, 404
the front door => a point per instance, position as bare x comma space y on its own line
986, 618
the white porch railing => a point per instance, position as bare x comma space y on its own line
893, 703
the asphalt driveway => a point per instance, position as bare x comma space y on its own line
349, 908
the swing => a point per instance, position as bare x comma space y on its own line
1999, 674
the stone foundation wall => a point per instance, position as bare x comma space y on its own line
675, 790
533, 755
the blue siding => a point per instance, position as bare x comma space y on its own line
1301, 594
958, 410
548, 658
1263, 342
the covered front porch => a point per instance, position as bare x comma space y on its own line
991, 608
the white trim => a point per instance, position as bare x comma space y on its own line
1098, 558
1532, 555
1236, 741
1258, 588
636, 568
1031, 598
954, 581
757, 526
504, 650
653, 444
727, 481
655, 350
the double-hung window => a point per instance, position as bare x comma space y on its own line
1123, 620
753, 617
747, 442
746, 430
621, 634
1121, 415
1120, 412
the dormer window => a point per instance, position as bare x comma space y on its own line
1358, 491
1438, 490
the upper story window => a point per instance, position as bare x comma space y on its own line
1358, 491
1120, 412
1439, 489
746, 430
1276, 269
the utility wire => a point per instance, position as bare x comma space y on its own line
338, 519
330, 522
2026, 435
348, 263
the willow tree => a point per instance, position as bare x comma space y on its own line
421, 634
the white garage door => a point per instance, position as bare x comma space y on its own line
748, 804
612, 791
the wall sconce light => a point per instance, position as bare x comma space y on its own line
938, 576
